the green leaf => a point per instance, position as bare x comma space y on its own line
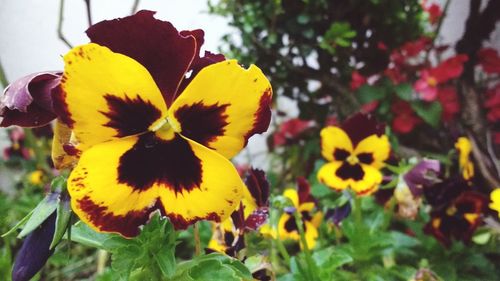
367, 93
41, 212
166, 261
82, 234
429, 112
62, 220
404, 91
214, 266
329, 259
59, 183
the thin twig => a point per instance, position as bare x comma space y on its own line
89, 12
480, 157
60, 24
3, 77
135, 6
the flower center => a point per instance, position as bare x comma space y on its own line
163, 129
432, 81
451, 210
352, 159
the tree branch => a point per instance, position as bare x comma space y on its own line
60, 24
89, 12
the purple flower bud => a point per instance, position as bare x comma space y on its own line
28, 101
424, 174
35, 251
338, 214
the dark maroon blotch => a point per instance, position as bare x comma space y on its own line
202, 123
348, 171
340, 154
258, 186
127, 225
153, 160
129, 116
366, 158
262, 117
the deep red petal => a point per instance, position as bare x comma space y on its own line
155, 44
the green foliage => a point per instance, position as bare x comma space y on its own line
213, 266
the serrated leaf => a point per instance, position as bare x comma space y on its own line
330, 259
429, 112
166, 262
62, 220
41, 212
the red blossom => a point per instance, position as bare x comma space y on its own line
413, 48
489, 60
434, 11
357, 80
448, 98
426, 86
396, 75
290, 130
404, 117
369, 107
449, 69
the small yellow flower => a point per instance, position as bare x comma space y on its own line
495, 200
356, 154
36, 177
464, 147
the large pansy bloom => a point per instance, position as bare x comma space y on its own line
151, 136
356, 152
457, 211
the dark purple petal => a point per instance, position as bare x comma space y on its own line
444, 192
421, 175
256, 219
35, 251
258, 186
198, 62
28, 101
155, 44
361, 126
338, 214
304, 191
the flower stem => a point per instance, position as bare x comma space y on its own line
358, 216
3, 78
197, 243
310, 263
282, 250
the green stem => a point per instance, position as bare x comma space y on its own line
197, 243
282, 249
358, 216
3, 78
310, 263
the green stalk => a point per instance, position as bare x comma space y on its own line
310, 263
3, 78
358, 216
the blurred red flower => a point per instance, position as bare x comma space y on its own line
489, 60
447, 97
404, 117
357, 80
290, 130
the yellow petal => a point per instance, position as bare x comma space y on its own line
292, 194
62, 137
223, 106
105, 95
217, 195
327, 175
117, 184
335, 143
370, 181
374, 148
